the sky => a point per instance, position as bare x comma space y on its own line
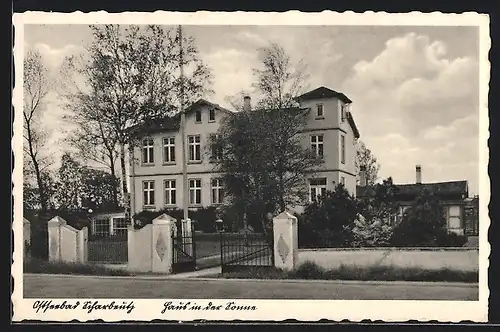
415, 90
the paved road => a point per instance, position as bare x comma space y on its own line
39, 286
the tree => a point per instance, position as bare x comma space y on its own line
36, 87
328, 221
81, 187
423, 224
279, 80
99, 190
263, 161
130, 77
379, 201
70, 185
364, 157
378, 206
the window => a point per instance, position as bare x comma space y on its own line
170, 193
211, 115
101, 227
342, 149
195, 192
169, 150
194, 148
342, 180
317, 188
120, 226
217, 191
148, 151
198, 116
148, 188
343, 111
216, 148
319, 111
454, 220
317, 145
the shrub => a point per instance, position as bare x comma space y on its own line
43, 266
311, 271
423, 224
371, 233
328, 221
204, 218
451, 240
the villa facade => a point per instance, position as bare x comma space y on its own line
156, 164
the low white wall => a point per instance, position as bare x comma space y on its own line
466, 259
66, 243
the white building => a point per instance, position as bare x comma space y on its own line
156, 166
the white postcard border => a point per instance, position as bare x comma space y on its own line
269, 310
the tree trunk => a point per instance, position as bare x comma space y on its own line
123, 169
38, 173
114, 197
41, 189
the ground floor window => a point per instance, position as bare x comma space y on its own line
454, 217
194, 191
317, 188
120, 226
148, 191
101, 227
217, 191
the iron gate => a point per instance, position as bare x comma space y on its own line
244, 251
183, 250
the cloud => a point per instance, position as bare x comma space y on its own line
54, 57
414, 104
232, 71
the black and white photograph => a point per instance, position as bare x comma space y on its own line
251, 166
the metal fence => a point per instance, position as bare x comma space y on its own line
112, 249
184, 250
244, 251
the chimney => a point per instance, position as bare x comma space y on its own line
362, 175
247, 103
418, 169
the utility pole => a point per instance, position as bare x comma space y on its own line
185, 190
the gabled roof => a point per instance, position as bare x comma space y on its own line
323, 92
167, 123
203, 102
450, 190
172, 123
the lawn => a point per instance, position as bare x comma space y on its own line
311, 271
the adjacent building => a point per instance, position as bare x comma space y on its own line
156, 164
452, 194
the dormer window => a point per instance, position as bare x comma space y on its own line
211, 115
319, 111
198, 116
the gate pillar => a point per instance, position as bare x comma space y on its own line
163, 227
285, 241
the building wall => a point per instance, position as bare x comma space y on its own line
332, 127
453, 204
329, 125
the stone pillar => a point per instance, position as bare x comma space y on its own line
54, 234
26, 237
187, 236
162, 244
286, 242
83, 238
66, 243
